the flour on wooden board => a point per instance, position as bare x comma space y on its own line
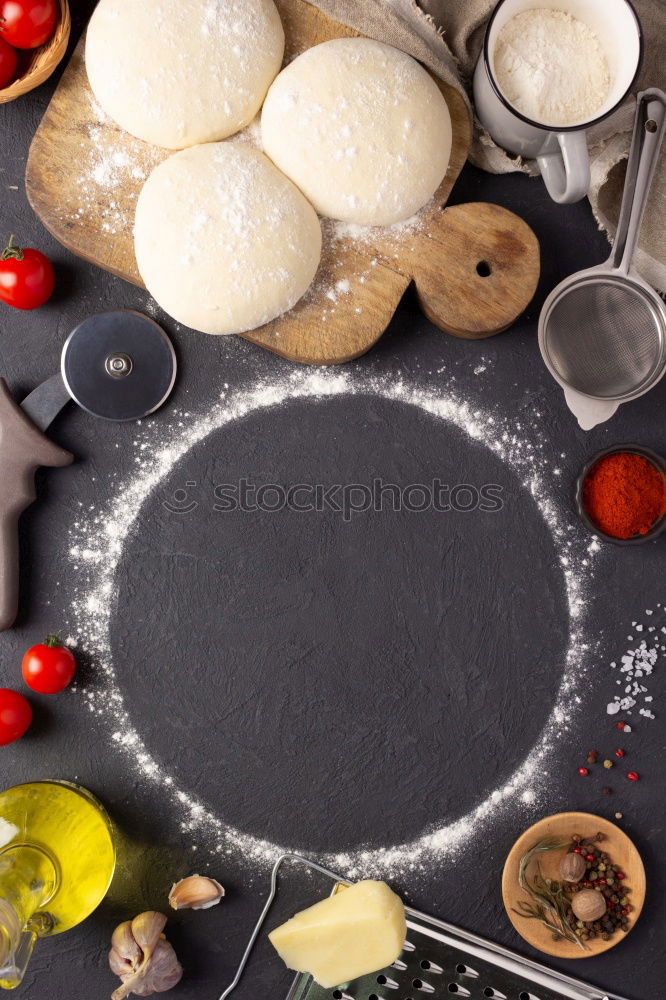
96, 547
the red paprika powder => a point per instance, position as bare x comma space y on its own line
624, 494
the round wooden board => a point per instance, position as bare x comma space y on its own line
564, 825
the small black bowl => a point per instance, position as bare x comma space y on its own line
635, 449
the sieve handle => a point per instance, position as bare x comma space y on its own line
589, 411
643, 155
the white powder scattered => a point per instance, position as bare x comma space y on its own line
112, 167
636, 667
551, 67
96, 548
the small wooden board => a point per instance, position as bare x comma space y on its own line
562, 826
475, 266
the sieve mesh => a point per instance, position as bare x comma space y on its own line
605, 337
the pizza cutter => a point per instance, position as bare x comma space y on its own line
116, 365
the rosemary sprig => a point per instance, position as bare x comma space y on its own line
549, 903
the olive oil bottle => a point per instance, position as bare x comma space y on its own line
57, 859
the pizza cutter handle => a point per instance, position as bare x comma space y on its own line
23, 448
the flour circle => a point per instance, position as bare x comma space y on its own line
224, 242
179, 72
97, 544
361, 128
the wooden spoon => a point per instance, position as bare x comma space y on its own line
562, 826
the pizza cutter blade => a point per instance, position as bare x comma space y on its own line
118, 366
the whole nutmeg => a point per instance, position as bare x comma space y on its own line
142, 957
588, 905
572, 867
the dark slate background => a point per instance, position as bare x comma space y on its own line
304, 654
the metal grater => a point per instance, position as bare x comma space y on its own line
437, 960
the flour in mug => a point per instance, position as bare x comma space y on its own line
551, 67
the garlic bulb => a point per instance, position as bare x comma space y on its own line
142, 957
195, 893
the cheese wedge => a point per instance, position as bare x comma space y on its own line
357, 931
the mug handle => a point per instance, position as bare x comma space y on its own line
566, 172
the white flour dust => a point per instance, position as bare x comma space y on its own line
637, 665
96, 548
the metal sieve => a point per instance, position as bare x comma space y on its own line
602, 331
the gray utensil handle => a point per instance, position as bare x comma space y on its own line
643, 155
23, 448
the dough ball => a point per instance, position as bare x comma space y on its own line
361, 128
224, 241
180, 72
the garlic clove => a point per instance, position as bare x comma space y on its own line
120, 965
196, 892
165, 969
147, 929
124, 947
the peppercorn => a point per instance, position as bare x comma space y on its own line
632, 775
619, 752
605, 790
592, 756
583, 771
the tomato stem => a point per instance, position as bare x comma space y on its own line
12, 250
53, 639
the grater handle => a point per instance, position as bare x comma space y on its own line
643, 155
267, 905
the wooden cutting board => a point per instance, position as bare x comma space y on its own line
475, 266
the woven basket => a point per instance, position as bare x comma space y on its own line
36, 65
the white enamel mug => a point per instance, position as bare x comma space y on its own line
560, 151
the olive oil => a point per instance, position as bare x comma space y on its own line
57, 859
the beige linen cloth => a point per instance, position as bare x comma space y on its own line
447, 35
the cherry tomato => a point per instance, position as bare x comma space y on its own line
27, 279
49, 666
27, 24
15, 716
8, 63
